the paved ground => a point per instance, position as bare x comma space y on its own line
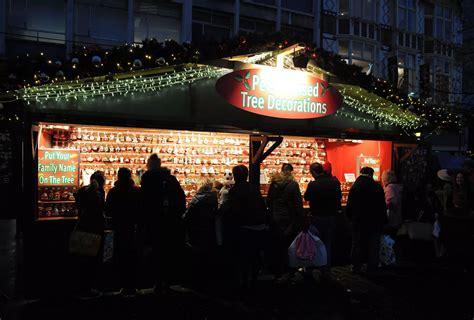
408, 292
418, 288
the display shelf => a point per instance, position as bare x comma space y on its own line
180, 151
56, 201
55, 218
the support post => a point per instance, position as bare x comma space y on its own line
69, 27
187, 21
317, 12
3, 27
131, 23
278, 16
236, 17
258, 144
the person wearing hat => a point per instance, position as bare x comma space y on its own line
445, 193
367, 211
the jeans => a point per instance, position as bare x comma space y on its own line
326, 227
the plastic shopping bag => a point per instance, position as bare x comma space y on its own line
387, 254
307, 250
108, 245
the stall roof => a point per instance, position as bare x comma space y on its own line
144, 95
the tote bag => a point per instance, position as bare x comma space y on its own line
83, 243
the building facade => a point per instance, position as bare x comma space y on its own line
413, 43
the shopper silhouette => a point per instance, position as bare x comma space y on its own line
90, 205
367, 211
164, 204
123, 206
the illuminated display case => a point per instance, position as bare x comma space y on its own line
192, 156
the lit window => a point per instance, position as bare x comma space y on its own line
344, 48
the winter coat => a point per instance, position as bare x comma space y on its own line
90, 204
200, 220
245, 206
164, 200
285, 203
393, 201
324, 196
123, 206
366, 205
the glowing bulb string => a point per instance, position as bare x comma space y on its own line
76, 90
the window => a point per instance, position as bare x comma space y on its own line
344, 7
344, 26
356, 28
413, 42
386, 37
406, 72
344, 48
357, 49
368, 52
429, 26
369, 9
371, 31
271, 2
301, 5
365, 30
364, 9
406, 15
329, 24
443, 23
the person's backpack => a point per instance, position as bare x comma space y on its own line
171, 199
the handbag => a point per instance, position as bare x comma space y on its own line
420, 230
84, 243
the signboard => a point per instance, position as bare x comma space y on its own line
279, 93
58, 167
372, 162
350, 177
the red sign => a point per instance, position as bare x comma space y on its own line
58, 167
372, 162
279, 93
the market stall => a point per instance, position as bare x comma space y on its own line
200, 120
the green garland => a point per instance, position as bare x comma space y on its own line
94, 64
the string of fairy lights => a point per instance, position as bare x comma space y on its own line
382, 110
84, 90
38, 77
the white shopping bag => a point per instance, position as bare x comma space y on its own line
319, 259
387, 254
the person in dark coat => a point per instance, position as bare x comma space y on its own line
164, 204
201, 233
324, 196
244, 228
90, 204
367, 211
286, 207
123, 207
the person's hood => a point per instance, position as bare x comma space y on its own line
161, 172
395, 187
124, 183
281, 180
206, 197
